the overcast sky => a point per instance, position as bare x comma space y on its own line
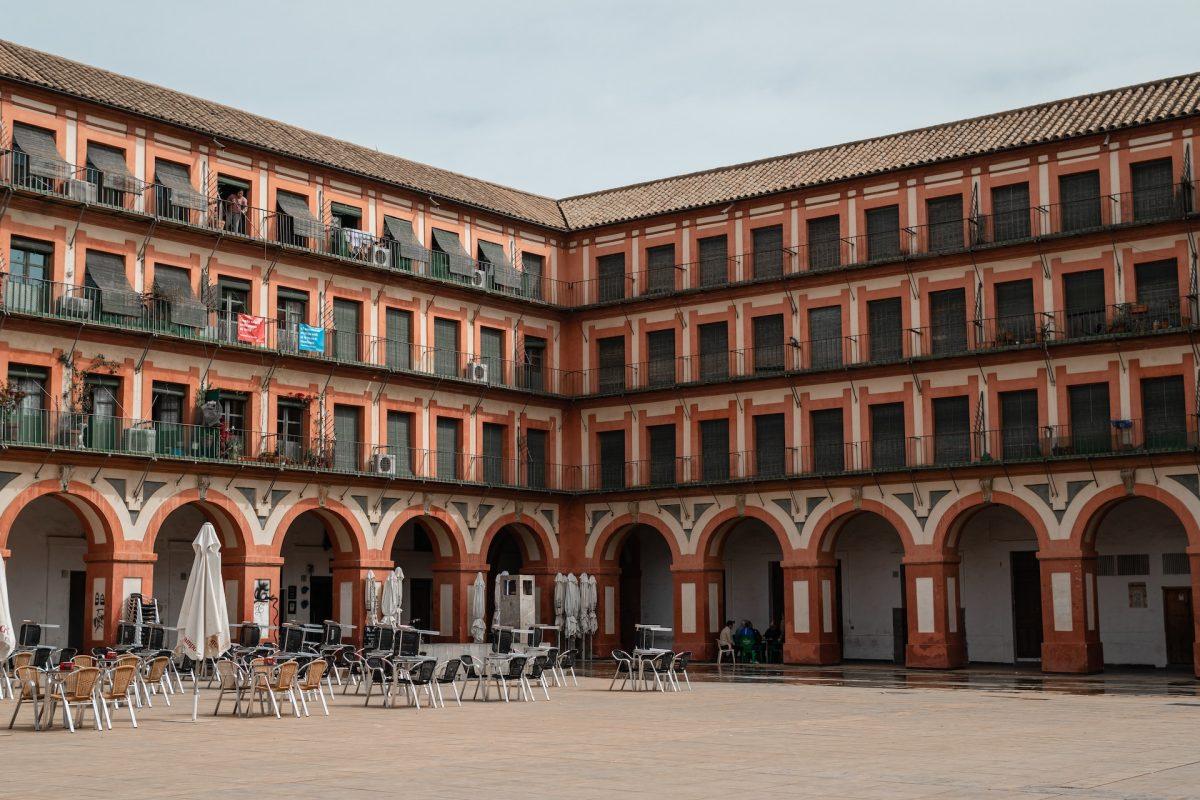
563, 97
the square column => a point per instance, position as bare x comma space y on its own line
241, 577
350, 593
1070, 629
698, 595
1194, 558
608, 612
810, 634
935, 631
450, 604
110, 580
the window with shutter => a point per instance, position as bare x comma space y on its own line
714, 261
1019, 424
768, 251
714, 449
347, 330
660, 269
1015, 322
1079, 200
714, 351
493, 453
535, 458
1083, 298
948, 321
1157, 295
399, 324
660, 365
1153, 189
534, 268
768, 343
824, 242
885, 325
951, 430
491, 353
828, 441
1164, 413
883, 232
1091, 424
532, 372
888, 443
662, 454
770, 445
399, 440
612, 459
445, 347
449, 450
1010, 212
825, 337
610, 270
610, 353
28, 423
945, 217
347, 436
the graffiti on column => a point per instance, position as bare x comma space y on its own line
98, 609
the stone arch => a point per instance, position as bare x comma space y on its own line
345, 532
1096, 508
224, 513
96, 515
952, 521
830, 523
447, 533
606, 545
712, 536
536, 542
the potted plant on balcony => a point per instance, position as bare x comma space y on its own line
77, 399
10, 401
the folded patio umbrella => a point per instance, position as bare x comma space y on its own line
371, 598
478, 608
203, 616
8, 639
560, 592
393, 596
572, 606
499, 591
591, 623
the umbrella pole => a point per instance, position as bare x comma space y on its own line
195, 699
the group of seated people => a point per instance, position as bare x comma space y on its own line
751, 646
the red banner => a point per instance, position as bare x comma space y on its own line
252, 330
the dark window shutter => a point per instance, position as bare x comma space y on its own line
493, 453
1153, 189
1010, 212
1164, 413
611, 272
885, 324
770, 445
714, 351
612, 459
534, 266
825, 337
828, 441
768, 251
399, 334
660, 269
532, 372
399, 440
888, 441
714, 449
610, 353
347, 329
1014, 323
768, 343
824, 242
948, 321
535, 458
346, 437
1091, 425
1079, 200
1158, 291
448, 448
660, 351
1019, 424
1083, 296
662, 454
445, 343
945, 218
883, 232
491, 353
714, 261
951, 430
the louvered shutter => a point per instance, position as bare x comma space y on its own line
611, 272
448, 448
660, 269
948, 321
662, 454
105, 274
346, 327
611, 355
768, 343
1010, 212
768, 251
714, 351
1153, 189
714, 449
535, 458
445, 344
1158, 291
493, 453
1079, 200
770, 445
1164, 413
714, 261
399, 440
534, 369
883, 233
346, 438
828, 441
399, 338
885, 323
1091, 425
1014, 322
612, 459
887, 436
1083, 296
951, 430
1019, 424
825, 337
824, 242
945, 218
534, 266
491, 353
660, 348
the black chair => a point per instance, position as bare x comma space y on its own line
378, 670
449, 675
514, 672
64, 655
408, 644
624, 668
566, 662
681, 665
30, 635
552, 664
537, 672
422, 677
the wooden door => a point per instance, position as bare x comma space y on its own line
1027, 605
1179, 623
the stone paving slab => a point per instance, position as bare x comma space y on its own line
722, 740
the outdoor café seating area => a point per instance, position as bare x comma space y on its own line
650, 667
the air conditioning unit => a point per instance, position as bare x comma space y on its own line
140, 440
383, 464
75, 306
478, 278
477, 371
81, 190
381, 256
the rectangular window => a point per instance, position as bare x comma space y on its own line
533, 369
1015, 322
167, 403
1091, 423
108, 171
883, 233
347, 330
945, 217
662, 454
714, 351
445, 347
534, 267
888, 442
28, 424
952, 430
1164, 413
449, 260
233, 298
294, 222
111, 297
824, 242
291, 311
102, 427
610, 270
535, 458
491, 353
1019, 424
29, 289
768, 251
1083, 296
289, 431
768, 343
449, 449
1157, 306
885, 324
660, 269
612, 459
714, 261
1079, 200
399, 324
399, 440
770, 445
828, 441
714, 449
347, 438
610, 352
660, 366
231, 443
493, 454
825, 337
36, 162
948, 321
1153, 190
1010, 212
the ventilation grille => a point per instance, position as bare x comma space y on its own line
1131, 564
1175, 564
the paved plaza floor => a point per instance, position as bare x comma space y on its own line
751, 737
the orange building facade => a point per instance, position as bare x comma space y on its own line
929, 398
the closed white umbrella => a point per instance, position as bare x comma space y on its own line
393, 597
591, 623
371, 597
398, 576
478, 608
560, 597
203, 617
499, 591
8, 639
571, 606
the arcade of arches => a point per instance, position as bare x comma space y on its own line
1119, 587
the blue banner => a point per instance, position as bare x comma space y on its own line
311, 339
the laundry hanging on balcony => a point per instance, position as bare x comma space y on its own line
252, 330
310, 339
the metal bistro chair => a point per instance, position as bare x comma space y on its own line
624, 669
422, 677
310, 682
230, 678
274, 682
120, 685
513, 672
378, 670
155, 679
680, 668
77, 691
660, 669
552, 665
448, 675
566, 663
31, 688
536, 672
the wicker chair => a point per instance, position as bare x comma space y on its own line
310, 682
154, 679
31, 688
84, 660
624, 671
274, 683
121, 683
21, 658
77, 691
230, 678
